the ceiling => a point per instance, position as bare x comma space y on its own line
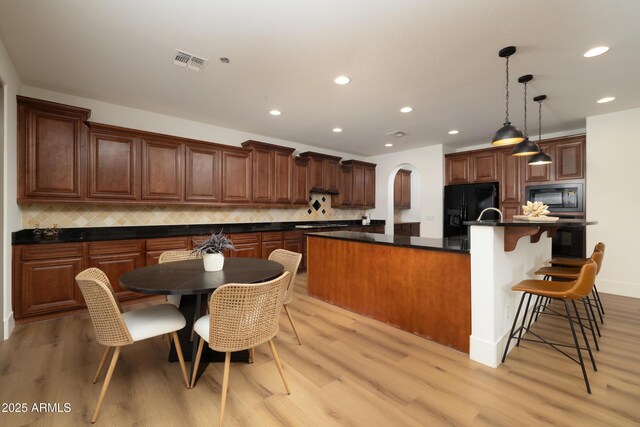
438, 56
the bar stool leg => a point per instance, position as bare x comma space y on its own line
593, 314
513, 327
596, 295
584, 336
575, 341
591, 323
536, 309
524, 319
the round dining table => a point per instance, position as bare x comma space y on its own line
189, 279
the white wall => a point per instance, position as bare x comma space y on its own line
427, 164
10, 212
612, 199
118, 115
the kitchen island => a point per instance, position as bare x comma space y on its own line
502, 254
417, 284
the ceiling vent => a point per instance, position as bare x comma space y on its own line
186, 60
397, 133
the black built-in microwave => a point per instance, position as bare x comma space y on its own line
559, 197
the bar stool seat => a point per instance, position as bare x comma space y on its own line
559, 272
545, 288
568, 262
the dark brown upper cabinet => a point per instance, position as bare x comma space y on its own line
162, 169
236, 176
569, 159
511, 190
324, 171
272, 169
203, 173
344, 198
300, 181
113, 169
51, 145
402, 189
363, 193
485, 167
458, 169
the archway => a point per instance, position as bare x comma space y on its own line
413, 214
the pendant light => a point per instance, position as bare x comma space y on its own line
526, 147
507, 134
541, 158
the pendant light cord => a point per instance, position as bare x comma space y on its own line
506, 120
525, 110
539, 120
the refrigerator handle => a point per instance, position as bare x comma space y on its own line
466, 207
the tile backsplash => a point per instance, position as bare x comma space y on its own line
46, 215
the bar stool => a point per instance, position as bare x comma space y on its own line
561, 291
577, 263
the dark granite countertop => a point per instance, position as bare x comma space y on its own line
447, 244
96, 234
515, 223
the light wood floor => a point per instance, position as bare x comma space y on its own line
351, 371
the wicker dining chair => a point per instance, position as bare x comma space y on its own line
290, 261
242, 316
172, 256
115, 329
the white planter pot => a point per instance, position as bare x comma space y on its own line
213, 262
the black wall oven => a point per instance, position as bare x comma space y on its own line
567, 201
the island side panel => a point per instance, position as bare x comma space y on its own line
426, 292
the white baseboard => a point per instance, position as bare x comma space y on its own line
626, 289
485, 352
8, 325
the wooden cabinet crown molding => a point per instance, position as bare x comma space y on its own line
82, 113
266, 146
314, 155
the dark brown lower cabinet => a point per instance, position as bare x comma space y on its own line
116, 258
247, 245
48, 285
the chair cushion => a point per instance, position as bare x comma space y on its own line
153, 321
202, 327
545, 288
559, 272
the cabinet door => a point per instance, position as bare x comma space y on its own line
113, 171
246, 250
485, 167
511, 209
405, 202
263, 175
345, 197
369, 187
457, 169
358, 196
49, 285
50, 154
203, 174
236, 176
316, 174
397, 190
293, 245
569, 160
282, 177
540, 173
268, 247
331, 175
511, 177
115, 258
300, 182
162, 170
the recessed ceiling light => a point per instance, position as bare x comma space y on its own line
406, 109
275, 112
606, 99
337, 130
342, 80
388, 145
596, 51
453, 132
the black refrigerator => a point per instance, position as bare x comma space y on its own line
464, 203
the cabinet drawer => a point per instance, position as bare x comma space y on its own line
244, 238
292, 235
272, 236
168, 243
51, 251
116, 247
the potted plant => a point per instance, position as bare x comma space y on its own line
211, 251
